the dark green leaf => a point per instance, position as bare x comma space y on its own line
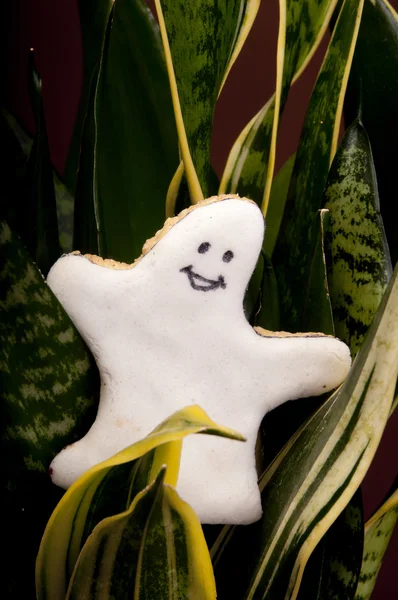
48, 380
374, 84
261, 299
17, 145
37, 224
358, 259
276, 206
295, 247
129, 151
333, 569
317, 310
94, 17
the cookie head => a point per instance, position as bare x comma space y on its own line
213, 250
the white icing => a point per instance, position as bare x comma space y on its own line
162, 343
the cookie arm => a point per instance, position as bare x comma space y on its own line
81, 286
307, 364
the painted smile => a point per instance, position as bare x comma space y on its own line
205, 284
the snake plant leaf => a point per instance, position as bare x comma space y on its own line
378, 532
154, 550
65, 213
333, 569
373, 85
276, 206
49, 383
358, 259
317, 311
250, 165
94, 17
66, 528
316, 474
261, 299
129, 150
37, 223
17, 145
201, 41
317, 146
49, 390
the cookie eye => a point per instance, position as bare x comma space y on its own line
204, 246
228, 256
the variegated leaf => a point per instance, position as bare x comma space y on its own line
201, 41
378, 532
250, 165
358, 258
49, 392
49, 382
373, 84
67, 528
316, 474
154, 550
295, 246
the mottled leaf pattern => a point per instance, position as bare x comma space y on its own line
250, 166
49, 391
295, 246
378, 532
201, 41
373, 84
154, 550
316, 474
48, 380
359, 265
91, 495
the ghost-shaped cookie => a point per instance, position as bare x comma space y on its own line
169, 331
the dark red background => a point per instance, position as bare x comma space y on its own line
52, 29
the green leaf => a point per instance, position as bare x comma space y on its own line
276, 206
201, 41
94, 16
373, 84
358, 259
378, 532
37, 224
48, 378
250, 165
333, 569
295, 246
317, 311
261, 299
65, 213
65, 530
154, 550
129, 149
49, 391
316, 474
17, 145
